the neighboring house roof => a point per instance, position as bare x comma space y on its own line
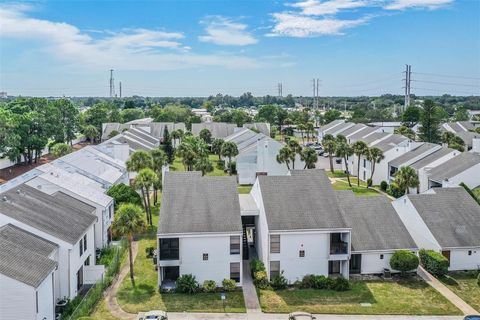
339, 128
63, 218
246, 139
451, 214
374, 137
195, 204
108, 128
262, 127
431, 158
351, 130
423, 150
140, 121
362, 133
468, 137
391, 142
330, 125
27, 239
375, 223
467, 125
158, 128
454, 166
248, 204
303, 200
217, 129
455, 126
20, 263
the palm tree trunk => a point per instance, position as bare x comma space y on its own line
144, 202
373, 171
331, 162
348, 172
149, 206
358, 172
130, 256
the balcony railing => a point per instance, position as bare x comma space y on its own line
339, 248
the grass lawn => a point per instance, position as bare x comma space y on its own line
359, 191
178, 166
410, 297
476, 191
101, 312
336, 174
467, 287
244, 189
146, 296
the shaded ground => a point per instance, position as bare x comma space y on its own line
19, 169
409, 297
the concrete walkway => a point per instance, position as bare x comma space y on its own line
444, 291
281, 316
111, 295
249, 293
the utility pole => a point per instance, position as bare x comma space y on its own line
112, 84
280, 90
314, 100
408, 74
120, 88
318, 84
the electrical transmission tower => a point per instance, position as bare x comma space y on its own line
408, 75
316, 84
280, 90
112, 84
120, 89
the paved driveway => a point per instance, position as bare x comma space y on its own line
264, 316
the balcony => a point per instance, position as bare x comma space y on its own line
339, 247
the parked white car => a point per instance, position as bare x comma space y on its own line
153, 315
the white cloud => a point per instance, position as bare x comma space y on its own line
128, 49
294, 25
223, 31
316, 7
406, 4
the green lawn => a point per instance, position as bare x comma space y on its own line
467, 287
101, 312
178, 166
409, 297
244, 189
476, 191
145, 295
360, 191
336, 174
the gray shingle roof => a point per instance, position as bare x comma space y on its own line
357, 136
195, 204
62, 219
431, 158
157, 128
330, 125
219, 130
352, 129
19, 258
468, 137
374, 137
374, 222
390, 142
340, 127
454, 166
304, 200
452, 216
424, 150
27, 239
260, 126
74, 202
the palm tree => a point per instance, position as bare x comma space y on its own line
144, 181
344, 150
204, 165
310, 130
128, 221
139, 160
447, 137
61, 149
217, 147
329, 145
360, 148
175, 136
302, 128
91, 133
296, 148
159, 160
310, 157
206, 135
375, 155
406, 178
285, 155
229, 150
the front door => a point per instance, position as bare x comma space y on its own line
79, 278
355, 264
446, 254
334, 267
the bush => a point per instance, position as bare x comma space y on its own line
233, 167
209, 286
260, 280
279, 282
256, 265
478, 280
186, 283
404, 261
221, 164
122, 193
229, 284
322, 282
383, 185
341, 284
434, 262
308, 281
149, 251
394, 190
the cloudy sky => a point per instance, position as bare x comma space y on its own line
200, 48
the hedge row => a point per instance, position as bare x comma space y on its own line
434, 262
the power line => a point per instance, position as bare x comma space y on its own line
449, 83
446, 76
445, 91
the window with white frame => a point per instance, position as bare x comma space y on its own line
234, 244
235, 271
274, 269
275, 243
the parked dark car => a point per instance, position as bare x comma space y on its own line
338, 160
472, 317
300, 316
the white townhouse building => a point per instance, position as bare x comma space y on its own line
446, 220
257, 155
200, 229
64, 221
219, 130
80, 187
300, 229
377, 232
27, 275
464, 129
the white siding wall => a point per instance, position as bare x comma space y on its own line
371, 262
261, 224
76, 261
17, 300
460, 260
46, 303
471, 177
423, 172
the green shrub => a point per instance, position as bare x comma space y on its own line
341, 284
383, 185
279, 282
404, 261
434, 262
149, 251
478, 280
229, 284
308, 281
221, 164
322, 282
256, 265
260, 280
394, 190
122, 193
186, 283
233, 167
209, 286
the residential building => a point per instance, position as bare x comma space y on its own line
446, 220
200, 229
260, 127
27, 275
219, 130
299, 228
464, 130
64, 221
377, 232
422, 151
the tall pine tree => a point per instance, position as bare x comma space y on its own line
167, 145
429, 130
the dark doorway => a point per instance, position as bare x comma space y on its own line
446, 254
171, 273
356, 264
334, 267
79, 278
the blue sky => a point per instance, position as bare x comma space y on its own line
201, 48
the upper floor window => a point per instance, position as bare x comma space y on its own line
85, 243
205, 256
234, 244
169, 249
364, 163
275, 243
110, 211
80, 244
